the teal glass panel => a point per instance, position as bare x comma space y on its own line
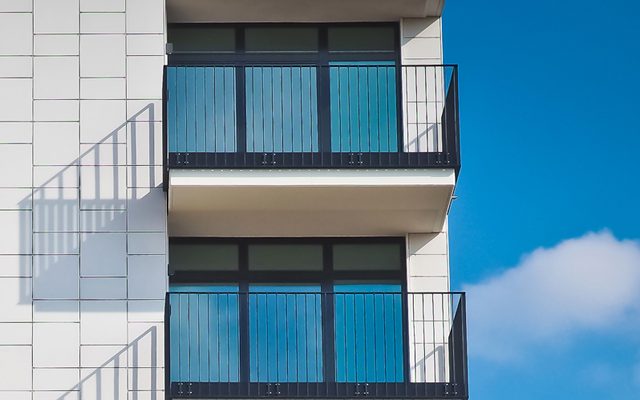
368, 333
282, 109
364, 116
285, 333
201, 109
205, 335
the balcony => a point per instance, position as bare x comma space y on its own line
340, 116
316, 345
307, 150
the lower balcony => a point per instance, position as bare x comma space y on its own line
316, 345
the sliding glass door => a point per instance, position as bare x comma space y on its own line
292, 311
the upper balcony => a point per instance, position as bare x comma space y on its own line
306, 129
345, 115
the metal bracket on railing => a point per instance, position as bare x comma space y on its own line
185, 159
273, 389
181, 391
351, 160
363, 392
450, 389
273, 159
360, 162
439, 158
264, 159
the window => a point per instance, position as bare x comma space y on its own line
279, 39
205, 333
315, 310
287, 73
285, 257
285, 333
203, 257
356, 39
367, 257
368, 332
201, 38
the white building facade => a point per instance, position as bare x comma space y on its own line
97, 188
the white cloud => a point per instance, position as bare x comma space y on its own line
591, 283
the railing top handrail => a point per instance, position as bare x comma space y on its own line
316, 293
284, 64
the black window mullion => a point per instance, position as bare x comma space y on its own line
328, 315
243, 287
324, 93
241, 96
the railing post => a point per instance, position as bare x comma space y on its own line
165, 144
324, 109
167, 347
465, 364
241, 110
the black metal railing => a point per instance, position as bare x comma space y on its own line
309, 116
316, 345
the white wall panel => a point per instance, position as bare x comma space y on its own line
15, 199
59, 16
56, 110
103, 254
56, 45
16, 67
103, 288
56, 78
16, 132
15, 232
55, 378
103, 322
15, 99
144, 75
102, 23
15, 266
145, 16
56, 311
147, 277
55, 143
56, 277
18, 27
103, 88
102, 5
56, 345
15, 368
102, 56
16, 5
16, 333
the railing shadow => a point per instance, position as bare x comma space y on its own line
101, 180
95, 384
68, 206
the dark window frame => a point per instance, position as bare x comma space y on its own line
327, 277
321, 58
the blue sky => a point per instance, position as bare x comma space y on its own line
551, 151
